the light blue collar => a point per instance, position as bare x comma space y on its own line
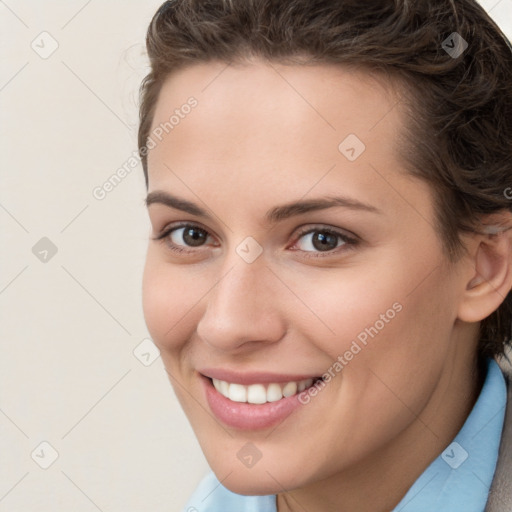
458, 480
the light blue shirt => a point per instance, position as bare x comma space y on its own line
457, 481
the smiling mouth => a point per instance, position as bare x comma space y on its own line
261, 393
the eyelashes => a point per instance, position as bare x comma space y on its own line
327, 235
197, 235
166, 234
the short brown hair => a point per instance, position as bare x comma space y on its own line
459, 129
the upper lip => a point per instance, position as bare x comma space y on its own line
253, 377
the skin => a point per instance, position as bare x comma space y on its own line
264, 135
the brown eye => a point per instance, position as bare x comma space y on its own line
191, 235
184, 237
323, 242
320, 240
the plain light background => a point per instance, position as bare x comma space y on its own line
82, 390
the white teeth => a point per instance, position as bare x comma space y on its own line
274, 393
237, 393
290, 389
257, 393
304, 384
224, 387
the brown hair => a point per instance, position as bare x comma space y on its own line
459, 130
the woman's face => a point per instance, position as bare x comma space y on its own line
256, 291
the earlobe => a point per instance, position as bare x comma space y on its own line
491, 278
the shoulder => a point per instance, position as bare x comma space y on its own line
500, 494
211, 496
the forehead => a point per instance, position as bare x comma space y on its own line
281, 127
331, 97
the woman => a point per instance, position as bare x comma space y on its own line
329, 268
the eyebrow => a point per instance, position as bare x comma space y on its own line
276, 214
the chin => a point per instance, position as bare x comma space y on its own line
260, 480
249, 484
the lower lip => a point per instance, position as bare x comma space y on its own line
245, 416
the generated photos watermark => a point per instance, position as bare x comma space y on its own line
157, 134
356, 346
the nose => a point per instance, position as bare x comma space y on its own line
243, 308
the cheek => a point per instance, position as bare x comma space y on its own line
346, 306
168, 300
379, 319
403, 358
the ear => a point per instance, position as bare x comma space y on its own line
490, 268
